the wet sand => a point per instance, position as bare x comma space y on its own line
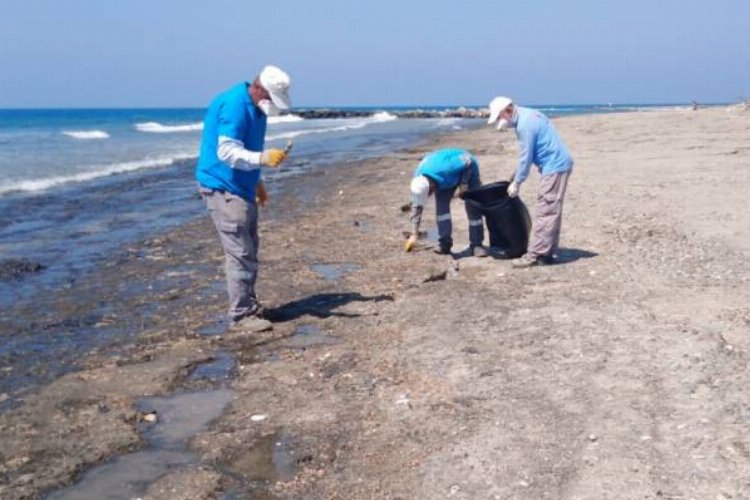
620, 373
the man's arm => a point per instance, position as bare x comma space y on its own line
416, 220
230, 148
232, 151
526, 156
463, 185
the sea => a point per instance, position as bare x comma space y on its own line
76, 185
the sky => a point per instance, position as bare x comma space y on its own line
180, 53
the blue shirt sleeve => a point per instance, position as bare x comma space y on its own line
526, 139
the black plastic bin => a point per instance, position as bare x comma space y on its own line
507, 218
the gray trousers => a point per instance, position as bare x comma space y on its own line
545, 238
443, 199
236, 221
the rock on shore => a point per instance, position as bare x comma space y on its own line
461, 112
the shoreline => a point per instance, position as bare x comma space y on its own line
468, 385
143, 258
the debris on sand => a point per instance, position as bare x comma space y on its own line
15, 268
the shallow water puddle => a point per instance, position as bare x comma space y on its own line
125, 477
214, 329
271, 460
220, 368
332, 272
214, 326
309, 335
179, 418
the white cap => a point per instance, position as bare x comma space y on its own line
497, 106
420, 190
276, 82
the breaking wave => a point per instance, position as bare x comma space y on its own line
284, 119
86, 134
158, 128
355, 124
102, 171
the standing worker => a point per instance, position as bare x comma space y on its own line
541, 145
442, 172
229, 176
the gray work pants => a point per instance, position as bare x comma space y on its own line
545, 238
443, 199
236, 221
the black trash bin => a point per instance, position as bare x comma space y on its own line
507, 218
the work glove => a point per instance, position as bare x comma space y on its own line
272, 157
410, 243
513, 189
261, 194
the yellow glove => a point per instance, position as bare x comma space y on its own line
409, 245
261, 194
272, 157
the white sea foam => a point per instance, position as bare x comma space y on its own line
352, 124
158, 128
95, 173
383, 116
86, 134
446, 122
284, 119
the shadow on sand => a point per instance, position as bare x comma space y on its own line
321, 305
564, 255
568, 255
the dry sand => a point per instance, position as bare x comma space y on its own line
621, 373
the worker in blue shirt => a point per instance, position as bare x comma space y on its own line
444, 173
228, 173
541, 145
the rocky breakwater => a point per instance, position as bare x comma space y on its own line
461, 112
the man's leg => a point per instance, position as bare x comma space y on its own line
443, 199
236, 221
548, 220
555, 246
476, 224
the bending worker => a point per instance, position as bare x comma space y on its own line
230, 179
443, 172
541, 145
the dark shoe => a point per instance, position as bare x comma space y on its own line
478, 251
445, 244
251, 324
527, 260
258, 311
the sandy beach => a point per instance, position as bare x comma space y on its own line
620, 373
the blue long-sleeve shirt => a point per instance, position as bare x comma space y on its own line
447, 167
232, 115
540, 144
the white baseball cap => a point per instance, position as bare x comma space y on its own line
497, 106
277, 83
420, 190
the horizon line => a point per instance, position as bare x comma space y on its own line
369, 106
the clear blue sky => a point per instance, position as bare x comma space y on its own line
174, 53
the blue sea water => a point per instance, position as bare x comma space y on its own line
76, 184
